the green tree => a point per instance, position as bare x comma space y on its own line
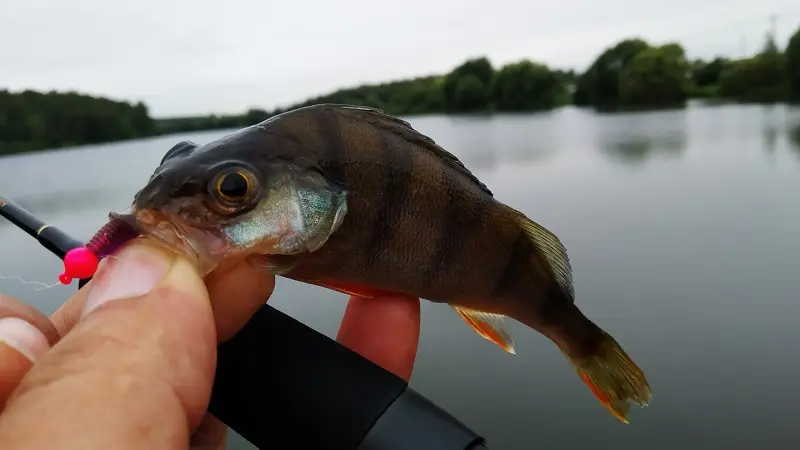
599, 85
421, 97
256, 115
471, 95
527, 86
393, 97
566, 77
762, 79
705, 76
32, 120
770, 46
478, 68
793, 65
655, 77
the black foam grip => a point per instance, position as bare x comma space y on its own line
279, 381
414, 422
281, 384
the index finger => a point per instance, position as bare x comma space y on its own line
384, 330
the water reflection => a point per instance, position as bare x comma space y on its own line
636, 138
793, 133
472, 139
630, 149
639, 146
483, 143
531, 137
770, 134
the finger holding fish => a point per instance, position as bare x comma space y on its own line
236, 294
384, 330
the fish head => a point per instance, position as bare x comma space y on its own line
233, 198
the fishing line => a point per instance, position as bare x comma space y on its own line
39, 286
31, 284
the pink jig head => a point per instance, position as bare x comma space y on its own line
82, 262
79, 263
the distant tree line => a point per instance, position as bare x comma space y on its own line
32, 120
632, 74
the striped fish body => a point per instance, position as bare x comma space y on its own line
418, 222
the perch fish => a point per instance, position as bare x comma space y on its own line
357, 201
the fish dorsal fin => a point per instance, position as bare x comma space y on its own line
551, 248
404, 129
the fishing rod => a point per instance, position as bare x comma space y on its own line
282, 384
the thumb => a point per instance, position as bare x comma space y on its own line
136, 372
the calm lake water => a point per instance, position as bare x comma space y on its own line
682, 228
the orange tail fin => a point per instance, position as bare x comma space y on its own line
614, 378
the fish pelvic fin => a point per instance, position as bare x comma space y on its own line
613, 378
351, 289
489, 326
283, 264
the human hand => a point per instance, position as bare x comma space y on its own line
121, 365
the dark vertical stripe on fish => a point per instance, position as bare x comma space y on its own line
456, 227
518, 260
555, 308
333, 146
396, 168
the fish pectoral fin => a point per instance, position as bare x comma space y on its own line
351, 289
489, 326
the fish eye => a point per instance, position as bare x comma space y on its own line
234, 186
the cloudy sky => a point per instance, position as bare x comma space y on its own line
185, 57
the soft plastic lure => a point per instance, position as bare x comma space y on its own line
82, 262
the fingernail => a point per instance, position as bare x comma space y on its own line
23, 337
134, 271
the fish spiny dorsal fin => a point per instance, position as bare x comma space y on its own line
404, 129
551, 248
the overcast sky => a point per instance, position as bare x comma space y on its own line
185, 57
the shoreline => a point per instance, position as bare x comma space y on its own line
693, 103
631, 76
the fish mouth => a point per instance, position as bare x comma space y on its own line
203, 247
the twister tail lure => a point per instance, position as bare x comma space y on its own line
82, 262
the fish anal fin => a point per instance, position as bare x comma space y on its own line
489, 326
551, 248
